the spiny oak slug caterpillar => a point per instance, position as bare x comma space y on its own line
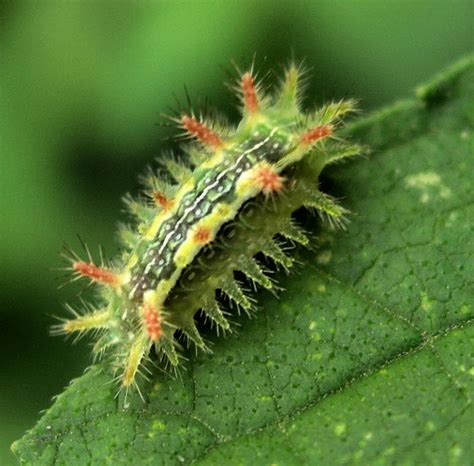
229, 205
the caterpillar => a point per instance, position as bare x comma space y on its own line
206, 228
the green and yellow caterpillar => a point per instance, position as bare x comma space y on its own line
234, 200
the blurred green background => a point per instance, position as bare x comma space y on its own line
82, 88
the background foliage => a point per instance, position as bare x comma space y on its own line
82, 85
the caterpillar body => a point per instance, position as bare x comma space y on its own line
231, 204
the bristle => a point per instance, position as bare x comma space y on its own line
127, 235
159, 182
273, 250
294, 233
180, 172
314, 134
152, 321
192, 333
139, 347
96, 273
168, 347
341, 152
101, 346
268, 179
333, 112
201, 132
215, 313
327, 208
249, 93
253, 271
139, 208
232, 289
288, 96
99, 319
160, 190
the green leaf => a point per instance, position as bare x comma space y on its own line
366, 358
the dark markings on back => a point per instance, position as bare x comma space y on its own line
157, 263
